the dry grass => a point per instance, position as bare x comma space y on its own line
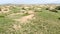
29, 22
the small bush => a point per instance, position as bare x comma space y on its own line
38, 11
2, 16
0, 9
47, 8
54, 10
23, 8
58, 8
58, 18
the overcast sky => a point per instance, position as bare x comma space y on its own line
28, 1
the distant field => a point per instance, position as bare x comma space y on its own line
44, 19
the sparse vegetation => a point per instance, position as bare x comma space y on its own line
36, 20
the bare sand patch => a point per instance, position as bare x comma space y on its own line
25, 18
31, 12
16, 27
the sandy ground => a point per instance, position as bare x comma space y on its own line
16, 27
26, 18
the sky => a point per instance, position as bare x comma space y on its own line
28, 1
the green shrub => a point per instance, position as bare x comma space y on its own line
58, 8
53, 10
2, 16
47, 8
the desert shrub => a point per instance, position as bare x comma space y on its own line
59, 18
0, 9
58, 8
38, 10
47, 8
23, 8
53, 10
2, 16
